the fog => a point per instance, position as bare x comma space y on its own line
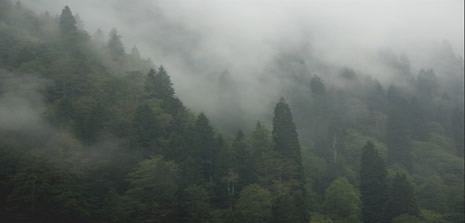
259, 42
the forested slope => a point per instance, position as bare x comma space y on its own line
92, 133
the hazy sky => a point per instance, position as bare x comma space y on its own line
192, 38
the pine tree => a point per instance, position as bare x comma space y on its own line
164, 86
286, 144
146, 127
399, 149
373, 185
401, 198
67, 21
115, 46
158, 85
285, 134
242, 160
150, 84
204, 146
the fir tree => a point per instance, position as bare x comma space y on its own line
115, 46
401, 198
146, 127
164, 86
285, 134
204, 146
286, 144
67, 21
373, 185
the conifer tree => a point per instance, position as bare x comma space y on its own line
164, 86
115, 46
285, 134
399, 149
373, 185
286, 144
67, 21
204, 146
401, 198
242, 160
146, 127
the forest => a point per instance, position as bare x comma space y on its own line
91, 131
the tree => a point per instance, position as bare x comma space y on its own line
115, 46
204, 151
146, 127
401, 198
399, 148
260, 146
286, 144
158, 85
285, 137
342, 201
196, 203
254, 204
373, 185
151, 194
163, 84
67, 21
242, 160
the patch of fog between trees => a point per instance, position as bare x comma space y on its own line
23, 119
234, 59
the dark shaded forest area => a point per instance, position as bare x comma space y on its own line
92, 133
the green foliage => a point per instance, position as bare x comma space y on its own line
67, 21
254, 204
197, 204
319, 218
342, 200
153, 185
104, 124
401, 198
373, 185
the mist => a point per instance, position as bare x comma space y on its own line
197, 43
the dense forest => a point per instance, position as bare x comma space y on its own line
93, 132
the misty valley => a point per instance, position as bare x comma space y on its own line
92, 130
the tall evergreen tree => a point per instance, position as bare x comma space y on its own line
286, 144
285, 134
398, 143
401, 198
242, 160
373, 185
158, 84
67, 21
146, 127
164, 86
204, 146
115, 46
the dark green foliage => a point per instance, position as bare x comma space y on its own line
159, 85
115, 46
289, 167
146, 127
399, 148
204, 151
373, 185
152, 190
67, 21
87, 135
254, 204
285, 136
401, 198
